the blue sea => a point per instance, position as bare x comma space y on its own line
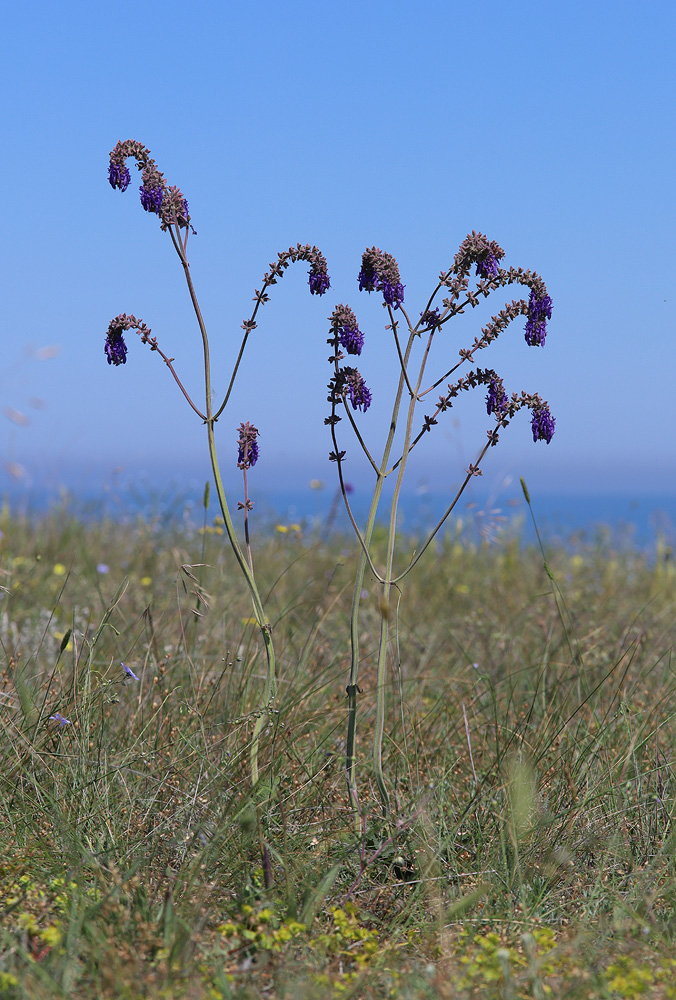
562, 519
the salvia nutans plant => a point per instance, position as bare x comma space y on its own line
476, 271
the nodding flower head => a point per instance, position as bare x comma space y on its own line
478, 249
247, 445
496, 398
380, 272
539, 311
319, 280
344, 325
151, 198
119, 176
543, 424
115, 348
156, 196
357, 390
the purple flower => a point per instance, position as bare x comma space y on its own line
103, 568
380, 272
247, 445
488, 267
478, 249
319, 280
393, 294
151, 198
346, 330
115, 348
118, 176
359, 393
496, 398
367, 279
128, 672
57, 717
543, 424
351, 338
539, 311
429, 318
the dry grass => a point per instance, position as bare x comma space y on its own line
530, 754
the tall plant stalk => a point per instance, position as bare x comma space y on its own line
380, 272
172, 208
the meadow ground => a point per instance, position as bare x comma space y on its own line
529, 751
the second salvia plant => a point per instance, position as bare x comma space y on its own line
475, 273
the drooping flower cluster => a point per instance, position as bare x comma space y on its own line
157, 196
318, 280
348, 382
380, 272
247, 445
539, 311
496, 398
151, 198
357, 390
344, 326
478, 249
115, 348
318, 275
543, 424
119, 176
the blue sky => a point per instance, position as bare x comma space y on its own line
549, 127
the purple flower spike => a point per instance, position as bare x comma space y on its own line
129, 672
351, 339
496, 399
539, 311
319, 280
115, 348
543, 424
151, 198
57, 717
247, 445
118, 176
359, 393
380, 272
393, 294
367, 279
478, 249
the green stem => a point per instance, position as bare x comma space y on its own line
386, 586
270, 687
364, 559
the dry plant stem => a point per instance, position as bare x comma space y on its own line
270, 687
